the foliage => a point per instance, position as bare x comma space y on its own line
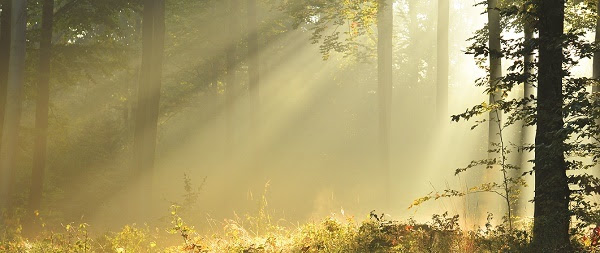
186, 232
131, 238
333, 234
337, 26
260, 233
578, 135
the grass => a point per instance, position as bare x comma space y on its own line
259, 234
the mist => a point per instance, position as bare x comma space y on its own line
234, 109
315, 145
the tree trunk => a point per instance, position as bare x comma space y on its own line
153, 32
414, 48
442, 61
230, 92
253, 65
495, 73
485, 205
12, 116
384, 77
551, 215
523, 156
41, 117
5, 41
596, 66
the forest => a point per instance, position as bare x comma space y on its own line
300, 126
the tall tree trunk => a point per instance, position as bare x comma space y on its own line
140, 166
442, 61
157, 65
41, 117
5, 41
495, 73
414, 48
230, 92
153, 32
551, 215
253, 65
494, 117
523, 156
596, 65
384, 77
12, 116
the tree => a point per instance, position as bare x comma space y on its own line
146, 127
596, 59
528, 89
522, 156
565, 114
5, 39
495, 91
253, 64
13, 104
415, 49
230, 92
495, 73
551, 214
442, 60
384, 79
43, 97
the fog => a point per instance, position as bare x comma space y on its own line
308, 151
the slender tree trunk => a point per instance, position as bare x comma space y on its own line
526, 132
551, 215
157, 65
495, 73
596, 65
528, 89
485, 205
153, 32
12, 116
134, 86
442, 60
414, 47
384, 77
230, 92
5, 41
253, 65
141, 129
43, 98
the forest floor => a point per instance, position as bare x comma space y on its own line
259, 234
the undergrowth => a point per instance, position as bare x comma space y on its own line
333, 234
262, 233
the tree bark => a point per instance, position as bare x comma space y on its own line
12, 118
384, 77
5, 41
596, 65
528, 89
596, 60
411, 77
551, 215
442, 61
495, 74
43, 98
484, 204
253, 65
523, 156
230, 91
146, 127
